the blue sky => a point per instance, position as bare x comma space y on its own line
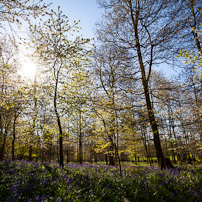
86, 11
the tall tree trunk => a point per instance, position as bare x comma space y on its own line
14, 137
3, 138
59, 124
80, 148
117, 139
159, 152
80, 140
34, 123
67, 149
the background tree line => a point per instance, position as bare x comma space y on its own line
105, 102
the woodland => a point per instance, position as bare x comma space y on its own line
103, 100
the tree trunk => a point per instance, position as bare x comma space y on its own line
3, 138
50, 153
146, 146
42, 155
14, 137
2, 149
30, 153
80, 149
106, 159
67, 149
95, 156
111, 156
80, 140
67, 152
59, 124
159, 152
61, 152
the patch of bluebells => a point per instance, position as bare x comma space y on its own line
31, 181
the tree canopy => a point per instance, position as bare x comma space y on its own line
104, 100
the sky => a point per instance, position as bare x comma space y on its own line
86, 11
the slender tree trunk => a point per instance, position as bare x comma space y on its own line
59, 124
117, 140
42, 155
135, 159
111, 156
67, 149
34, 123
30, 153
80, 148
3, 139
91, 152
57, 152
119, 161
80, 140
67, 153
95, 156
145, 145
106, 159
80, 151
60, 139
50, 153
2, 149
14, 137
1, 135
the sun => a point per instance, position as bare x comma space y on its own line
28, 69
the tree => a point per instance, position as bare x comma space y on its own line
188, 20
18, 106
60, 55
9, 99
143, 28
191, 52
110, 71
76, 103
13, 11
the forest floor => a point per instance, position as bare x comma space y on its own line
31, 181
